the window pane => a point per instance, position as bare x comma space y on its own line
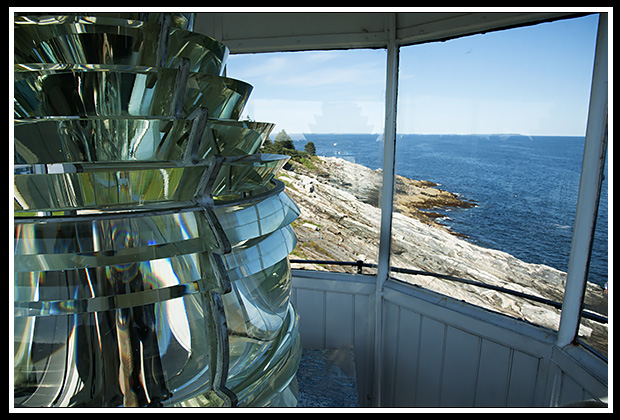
492, 128
329, 107
593, 332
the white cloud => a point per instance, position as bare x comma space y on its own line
292, 116
458, 115
297, 116
254, 67
312, 76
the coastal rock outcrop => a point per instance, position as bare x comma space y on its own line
340, 221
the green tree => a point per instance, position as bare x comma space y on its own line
285, 139
310, 149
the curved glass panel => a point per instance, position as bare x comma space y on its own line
135, 356
114, 91
83, 243
205, 54
57, 140
106, 40
246, 221
277, 362
177, 20
247, 173
240, 137
121, 187
258, 254
260, 302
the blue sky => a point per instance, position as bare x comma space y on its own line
533, 80
315, 91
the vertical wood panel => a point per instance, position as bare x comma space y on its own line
492, 375
364, 346
430, 363
392, 331
570, 391
339, 320
311, 309
523, 379
364, 323
460, 369
406, 365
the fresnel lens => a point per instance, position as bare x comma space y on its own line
151, 237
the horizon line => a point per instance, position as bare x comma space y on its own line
443, 134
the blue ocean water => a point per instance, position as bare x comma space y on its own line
525, 187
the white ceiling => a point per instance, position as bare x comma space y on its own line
285, 31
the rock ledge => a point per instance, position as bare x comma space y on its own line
340, 221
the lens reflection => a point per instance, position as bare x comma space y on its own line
64, 140
150, 236
116, 91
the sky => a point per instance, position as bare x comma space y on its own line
315, 91
533, 80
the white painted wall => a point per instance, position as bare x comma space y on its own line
438, 352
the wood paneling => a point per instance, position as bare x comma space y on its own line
336, 314
438, 352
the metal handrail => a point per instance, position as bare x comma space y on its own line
361, 264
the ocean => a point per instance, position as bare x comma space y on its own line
525, 187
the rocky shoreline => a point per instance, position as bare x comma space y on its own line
339, 221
